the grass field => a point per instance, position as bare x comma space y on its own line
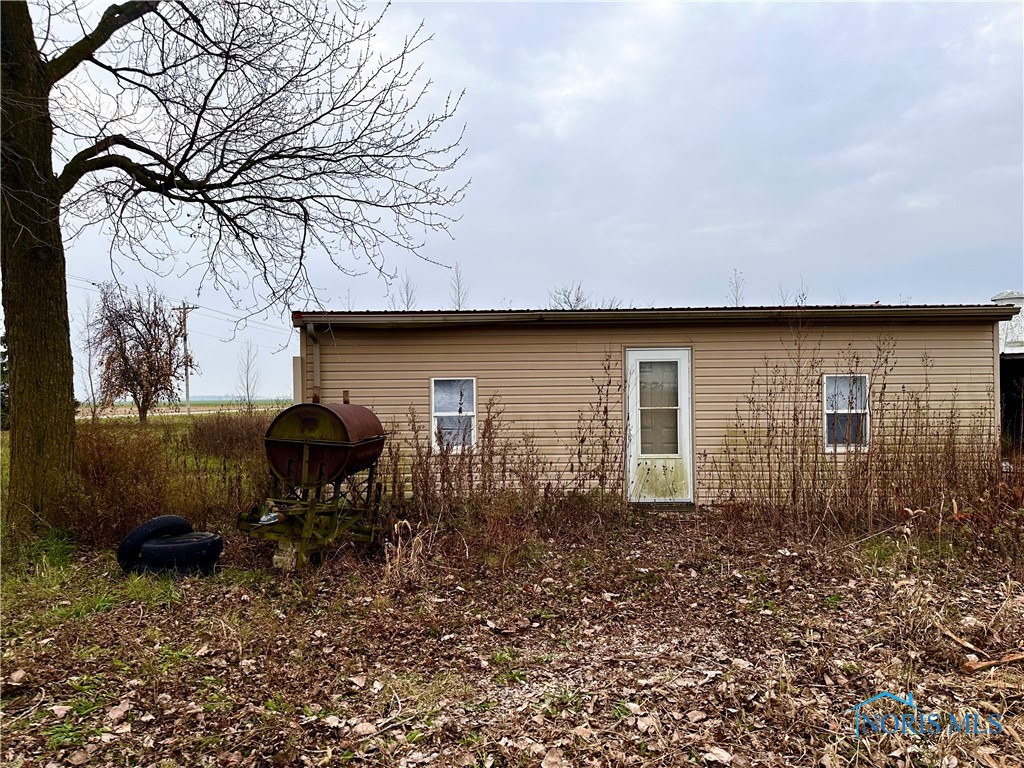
165, 410
665, 644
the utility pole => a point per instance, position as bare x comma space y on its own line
185, 309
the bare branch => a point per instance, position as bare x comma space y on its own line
404, 299
569, 296
458, 289
262, 139
114, 18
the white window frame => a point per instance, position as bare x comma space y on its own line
434, 413
826, 412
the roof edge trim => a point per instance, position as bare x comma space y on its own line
696, 316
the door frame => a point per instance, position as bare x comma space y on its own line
683, 354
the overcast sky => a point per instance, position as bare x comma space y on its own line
868, 152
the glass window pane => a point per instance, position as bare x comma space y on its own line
846, 393
454, 430
453, 396
846, 429
659, 431
659, 384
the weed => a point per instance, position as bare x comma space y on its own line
86, 605
622, 709
849, 669
278, 703
86, 683
65, 734
53, 550
169, 658
158, 591
565, 699
505, 656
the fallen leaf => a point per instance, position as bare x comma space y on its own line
79, 757
17, 676
359, 681
552, 759
717, 755
116, 714
60, 710
364, 729
645, 724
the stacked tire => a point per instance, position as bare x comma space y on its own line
167, 544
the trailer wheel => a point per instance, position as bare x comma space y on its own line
185, 553
130, 548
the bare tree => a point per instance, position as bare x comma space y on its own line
736, 285
458, 288
572, 296
569, 296
249, 376
404, 297
88, 367
261, 134
137, 348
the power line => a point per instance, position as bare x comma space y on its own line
261, 346
93, 286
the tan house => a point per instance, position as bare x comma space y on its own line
683, 384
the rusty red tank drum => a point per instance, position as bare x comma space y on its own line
312, 444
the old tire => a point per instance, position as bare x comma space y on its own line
185, 553
130, 548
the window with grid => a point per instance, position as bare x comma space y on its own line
846, 411
659, 407
453, 412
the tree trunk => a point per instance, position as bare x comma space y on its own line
34, 284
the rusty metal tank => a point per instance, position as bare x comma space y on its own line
313, 444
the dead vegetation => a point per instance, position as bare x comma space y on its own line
667, 644
932, 460
521, 614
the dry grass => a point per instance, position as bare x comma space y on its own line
933, 465
499, 497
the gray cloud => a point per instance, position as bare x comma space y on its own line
871, 151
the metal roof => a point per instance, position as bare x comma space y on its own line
822, 313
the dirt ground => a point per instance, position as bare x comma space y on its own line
667, 645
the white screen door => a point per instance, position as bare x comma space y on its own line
659, 443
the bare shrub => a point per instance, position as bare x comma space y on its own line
499, 496
932, 460
123, 476
206, 471
222, 465
227, 436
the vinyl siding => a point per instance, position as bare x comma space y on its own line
544, 376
